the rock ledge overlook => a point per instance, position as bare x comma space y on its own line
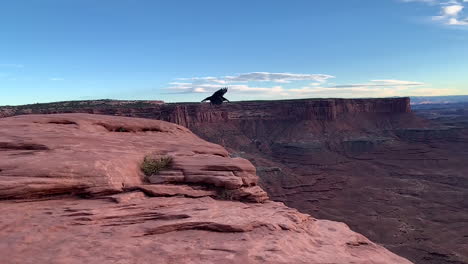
71, 191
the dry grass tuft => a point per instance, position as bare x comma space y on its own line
153, 165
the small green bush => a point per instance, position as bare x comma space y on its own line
153, 165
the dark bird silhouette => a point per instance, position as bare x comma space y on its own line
217, 98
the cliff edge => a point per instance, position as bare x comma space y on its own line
71, 191
189, 114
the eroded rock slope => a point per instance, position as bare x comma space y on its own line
389, 174
71, 191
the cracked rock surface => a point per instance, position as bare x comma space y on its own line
71, 191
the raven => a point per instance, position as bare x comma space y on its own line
217, 98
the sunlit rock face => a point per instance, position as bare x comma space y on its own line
71, 191
390, 174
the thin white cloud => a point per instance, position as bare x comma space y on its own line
269, 85
374, 88
262, 77
451, 12
240, 82
456, 22
397, 82
277, 77
379, 83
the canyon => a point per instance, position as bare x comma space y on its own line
396, 175
71, 191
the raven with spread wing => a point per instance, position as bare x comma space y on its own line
217, 98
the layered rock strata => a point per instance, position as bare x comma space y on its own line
71, 191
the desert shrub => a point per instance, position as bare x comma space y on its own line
153, 165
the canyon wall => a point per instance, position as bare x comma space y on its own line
189, 114
326, 110
396, 177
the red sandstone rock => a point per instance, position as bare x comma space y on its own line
59, 154
57, 157
251, 194
176, 230
174, 190
367, 162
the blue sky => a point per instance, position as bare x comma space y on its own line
182, 50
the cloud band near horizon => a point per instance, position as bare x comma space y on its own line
297, 85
